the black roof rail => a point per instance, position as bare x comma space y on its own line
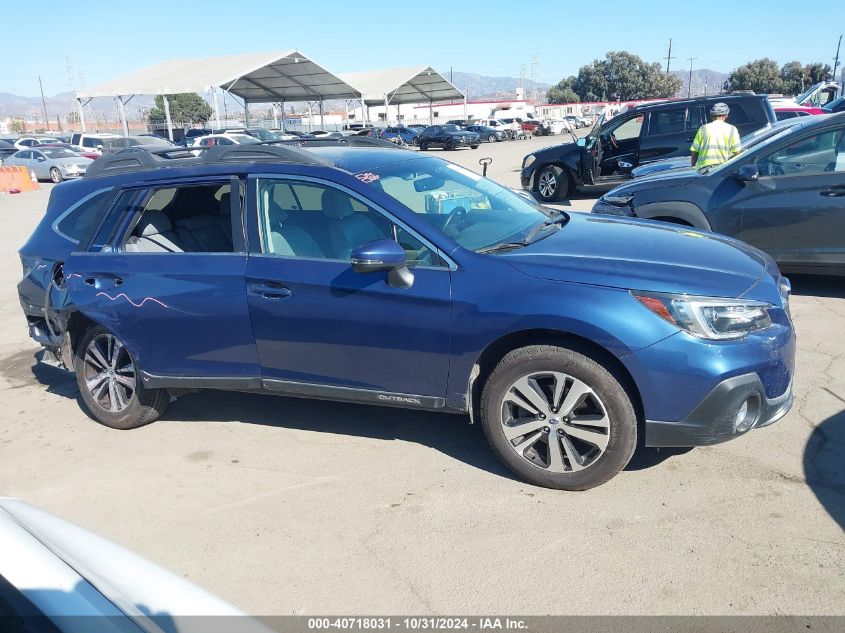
132, 159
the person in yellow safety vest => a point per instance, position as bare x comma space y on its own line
717, 141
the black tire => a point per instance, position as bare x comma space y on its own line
144, 405
491, 138
474, 146
621, 435
414, 141
450, 145
423, 147
56, 175
551, 184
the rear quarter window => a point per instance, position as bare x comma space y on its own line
738, 114
79, 220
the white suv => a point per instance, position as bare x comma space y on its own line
90, 142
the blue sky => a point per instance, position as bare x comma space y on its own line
105, 39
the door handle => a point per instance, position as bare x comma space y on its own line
837, 191
270, 290
98, 280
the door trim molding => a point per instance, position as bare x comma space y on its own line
294, 389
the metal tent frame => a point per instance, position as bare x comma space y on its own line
255, 78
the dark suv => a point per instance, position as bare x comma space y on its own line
385, 276
640, 135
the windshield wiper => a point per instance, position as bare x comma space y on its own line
552, 221
504, 246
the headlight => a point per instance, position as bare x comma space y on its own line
710, 318
528, 160
618, 201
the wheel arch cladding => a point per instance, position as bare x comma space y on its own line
494, 352
686, 211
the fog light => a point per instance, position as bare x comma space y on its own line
746, 415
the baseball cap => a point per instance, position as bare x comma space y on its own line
720, 109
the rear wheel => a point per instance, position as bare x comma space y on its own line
474, 146
423, 147
111, 389
552, 183
450, 145
491, 138
56, 175
557, 418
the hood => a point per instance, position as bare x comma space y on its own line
642, 255
557, 150
662, 166
80, 160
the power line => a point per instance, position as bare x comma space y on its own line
836, 59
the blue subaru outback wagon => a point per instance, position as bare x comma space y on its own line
384, 276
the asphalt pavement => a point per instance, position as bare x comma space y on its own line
286, 506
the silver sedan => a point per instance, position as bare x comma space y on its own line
50, 163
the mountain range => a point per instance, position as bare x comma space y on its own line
476, 86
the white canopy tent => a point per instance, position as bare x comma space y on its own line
416, 84
255, 78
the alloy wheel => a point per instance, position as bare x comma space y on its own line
55, 175
555, 421
109, 373
547, 183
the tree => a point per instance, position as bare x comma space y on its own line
186, 109
621, 76
796, 78
563, 92
17, 126
762, 76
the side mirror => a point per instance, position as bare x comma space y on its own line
41, 159
383, 255
747, 173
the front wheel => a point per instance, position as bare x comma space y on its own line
552, 184
423, 147
111, 389
56, 175
450, 145
474, 146
558, 418
491, 138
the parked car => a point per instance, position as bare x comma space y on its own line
50, 163
58, 577
214, 140
148, 142
532, 126
637, 136
73, 148
791, 112
783, 196
488, 134
6, 150
559, 126
407, 135
388, 270
575, 121
497, 125
449, 137
837, 105
90, 142
417, 126
460, 122
746, 142
33, 141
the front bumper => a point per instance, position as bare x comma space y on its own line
714, 420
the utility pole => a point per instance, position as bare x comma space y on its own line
836, 59
44, 105
669, 57
689, 84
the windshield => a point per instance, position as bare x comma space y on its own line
475, 212
264, 135
451, 128
58, 152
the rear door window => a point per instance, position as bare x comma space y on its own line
669, 121
79, 220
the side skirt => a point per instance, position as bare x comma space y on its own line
296, 390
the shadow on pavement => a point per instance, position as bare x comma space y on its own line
447, 433
452, 435
817, 285
824, 465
